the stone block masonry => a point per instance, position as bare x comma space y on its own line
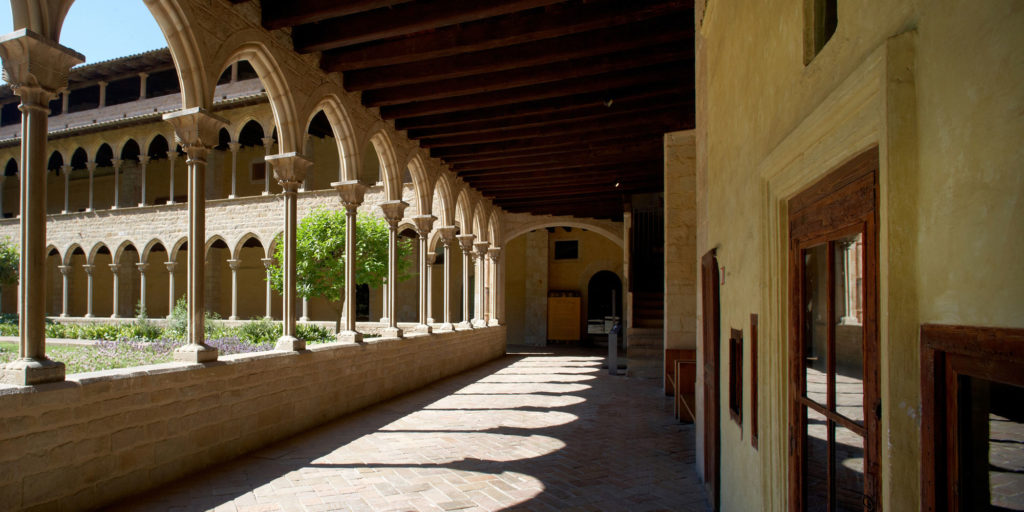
102, 436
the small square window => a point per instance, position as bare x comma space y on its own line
567, 249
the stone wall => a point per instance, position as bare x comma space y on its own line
102, 436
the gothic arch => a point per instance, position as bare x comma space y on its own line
237, 251
341, 125
390, 175
421, 184
150, 246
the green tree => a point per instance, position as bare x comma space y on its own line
9, 258
320, 256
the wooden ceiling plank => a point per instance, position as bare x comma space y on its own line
289, 13
537, 92
577, 46
401, 20
566, 161
524, 27
562, 145
643, 166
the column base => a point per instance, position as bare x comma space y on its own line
193, 353
65, 212
446, 327
391, 332
385, 320
464, 326
113, 207
303, 318
115, 315
233, 317
141, 205
290, 344
479, 323
430, 321
264, 193
349, 337
493, 323
231, 196
423, 328
63, 315
89, 209
32, 371
90, 315
171, 202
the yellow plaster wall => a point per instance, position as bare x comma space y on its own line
936, 86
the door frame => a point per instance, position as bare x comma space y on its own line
711, 339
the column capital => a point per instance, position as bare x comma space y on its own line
431, 258
64, 269
234, 264
234, 146
172, 154
36, 67
494, 253
447, 234
351, 193
466, 241
142, 267
143, 159
88, 268
267, 142
289, 169
267, 262
116, 162
424, 223
171, 265
90, 165
481, 248
393, 211
196, 130
66, 169
115, 268
142, 74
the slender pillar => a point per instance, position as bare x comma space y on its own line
117, 182
480, 295
447, 242
234, 265
115, 270
466, 244
65, 100
3, 178
268, 146
171, 265
142, 84
143, 163
393, 211
305, 310
172, 157
266, 267
424, 223
494, 253
37, 70
351, 195
103, 94
431, 258
234, 146
66, 169
234, 71
88, 289
289, 169
196, 130
142, 285
91, 166
65, 274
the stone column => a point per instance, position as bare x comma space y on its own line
117, 182
143, 162
3, 178
172, 157
234, 146
91, 166
289, 169
266, 268
114, 270
171, 265
393, 211
37, 70
88, 289
424, 223
466, 244
268, 146
65, 101
142, 285
142, 84
479, 319
494, 254
65, 274
431, 258
103, 94
447, 241
351, 195
66, 169
233, 264
196, 130
305, 310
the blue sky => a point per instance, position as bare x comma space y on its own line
103, 29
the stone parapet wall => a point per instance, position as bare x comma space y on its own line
102, 436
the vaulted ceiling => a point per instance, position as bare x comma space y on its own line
546, 106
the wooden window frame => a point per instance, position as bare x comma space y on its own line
948, 351
736, 376
753, 381
844, 202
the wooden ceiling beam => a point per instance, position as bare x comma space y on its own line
401, 20
544, 192
641, 171
523, 27
289, 13
561, 105
587, 44
603, 82
502, 80
564, 161
566, 144
665, 121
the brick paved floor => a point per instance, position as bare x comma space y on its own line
530, 431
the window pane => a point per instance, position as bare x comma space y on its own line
815, 317
849, 351
816, 462
991, 424
849, 457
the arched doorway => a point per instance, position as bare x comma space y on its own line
604, 301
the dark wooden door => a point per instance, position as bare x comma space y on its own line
835, 403
711, 340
